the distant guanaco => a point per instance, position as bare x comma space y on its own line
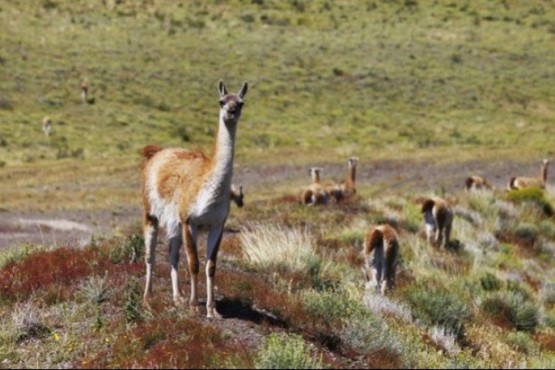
347, 187
477, 182
438, 219
46, 125
84, 90
315, 193
525, 182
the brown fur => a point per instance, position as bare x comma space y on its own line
438, 218
477, 182
189, 191
525, 182
150, 150
346, 188
315, 193
381, 249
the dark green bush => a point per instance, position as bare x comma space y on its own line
511, 307
439, 308
490, 282
532, 195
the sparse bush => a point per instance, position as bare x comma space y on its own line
444, 339
522, 342
548, 320
367, 334
547, 294
487, 240
94, 289
511, 307
286, 352
26, 322
385, 306
527, 231
437, 307
330, 305
16, 254
516, 286
490, 282
131, 250
532, 195
547, 228
267, 244
132, 301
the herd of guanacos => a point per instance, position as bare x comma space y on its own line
166, 173
381, 243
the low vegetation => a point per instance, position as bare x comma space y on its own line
470, 80
482, 304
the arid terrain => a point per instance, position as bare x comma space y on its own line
383, 177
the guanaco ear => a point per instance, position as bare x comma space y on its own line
222, 89
241, 189
243, 90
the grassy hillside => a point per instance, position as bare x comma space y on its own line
468, 84
291, 292
399, 78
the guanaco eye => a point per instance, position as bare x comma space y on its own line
222, 103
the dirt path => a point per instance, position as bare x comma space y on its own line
77, 227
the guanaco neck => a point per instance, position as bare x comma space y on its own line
223, 154
544, 171
315, 176
352, 173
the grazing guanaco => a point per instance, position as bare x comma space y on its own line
347, 187
438, 219
381, 250
46, 125
525, 182
315, 193
84, 90
186, 190
477, 182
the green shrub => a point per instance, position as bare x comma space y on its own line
94, 289
131, 250
436, 307
490, 282
330, 305
522, 342
132, 301
547, 294
548, 320
286, 352
511, 307
533, 195
527, 231
367, 333
547, 228
525, 292
270, 244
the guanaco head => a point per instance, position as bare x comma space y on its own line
353, 161
427, 205
314, 173
231, 104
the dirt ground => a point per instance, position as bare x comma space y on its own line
77, 227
